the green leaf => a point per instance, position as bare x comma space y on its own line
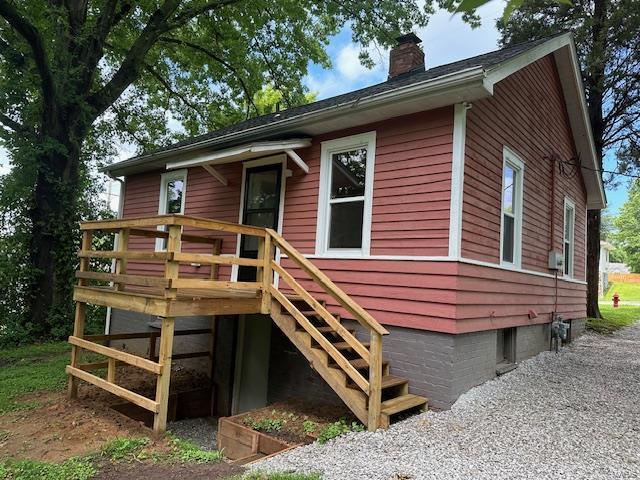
470, 5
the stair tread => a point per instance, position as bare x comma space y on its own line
361, 363
346, 346
389, 381
401, 403
298, 298
330, 329
312, 313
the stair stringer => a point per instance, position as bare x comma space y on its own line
335, 378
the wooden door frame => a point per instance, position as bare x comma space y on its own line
260, 162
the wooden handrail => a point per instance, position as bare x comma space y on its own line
182, 220
139, 280
328, 347
360, 314
125, 357
323, 312
129, 255
208, 259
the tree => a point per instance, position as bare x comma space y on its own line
77, 74
607, 34
627, 223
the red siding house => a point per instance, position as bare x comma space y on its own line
449, 202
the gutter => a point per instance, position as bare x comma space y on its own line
442, 84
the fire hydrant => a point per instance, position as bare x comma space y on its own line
616, 300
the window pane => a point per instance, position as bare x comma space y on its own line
259, 219
348, 171
345, 230
567, 258
175, 190
508, 238
509, 189
262, 190
568, 226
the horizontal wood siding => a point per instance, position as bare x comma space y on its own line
205, 197
489, 298
411, 187
526, 113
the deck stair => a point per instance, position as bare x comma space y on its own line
347, 355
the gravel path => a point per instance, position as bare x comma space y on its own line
201, 431
575, 415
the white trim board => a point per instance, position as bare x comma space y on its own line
328, 148
457, 178
281, 158
572, 254
509, 157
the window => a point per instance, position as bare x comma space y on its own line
172, 197
569, 229
346, 191
511, 222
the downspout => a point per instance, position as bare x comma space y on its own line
107, 322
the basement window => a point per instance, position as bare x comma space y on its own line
346, 191
511, 221
172, 199
569, 235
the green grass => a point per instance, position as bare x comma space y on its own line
124, 448
29, 369
185, 451
73, 469
614, 318
629, 292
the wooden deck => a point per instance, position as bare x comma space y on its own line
354, 369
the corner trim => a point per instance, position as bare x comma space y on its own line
457, 178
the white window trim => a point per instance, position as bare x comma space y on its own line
511, 158
165, 178
328, 148
572, 254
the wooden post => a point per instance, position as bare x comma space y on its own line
267, 276
172, 268
375, 381
164, 379
121, 263
80, 316
261, 255
217, 248
111, 370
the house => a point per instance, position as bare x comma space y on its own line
438, 217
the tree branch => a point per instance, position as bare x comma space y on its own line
134, 59
33, 38
189, 13
171, 90
218, 59
12, 124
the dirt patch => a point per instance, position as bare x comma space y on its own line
144, 471
295, 421
59, 429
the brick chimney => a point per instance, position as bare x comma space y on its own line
406, 56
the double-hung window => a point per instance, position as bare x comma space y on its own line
346, 191
511, 221
568, 240
172, 196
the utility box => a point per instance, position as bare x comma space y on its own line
556, 260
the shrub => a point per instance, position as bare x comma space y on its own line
264, 425
338, 428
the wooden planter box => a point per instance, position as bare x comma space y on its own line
245, 445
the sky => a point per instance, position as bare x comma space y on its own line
445, 39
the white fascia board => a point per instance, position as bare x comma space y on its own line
242, 152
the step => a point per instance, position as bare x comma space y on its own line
388, 381
312, 313
297, 298
331, 330
401, 403
346, 346
360, 363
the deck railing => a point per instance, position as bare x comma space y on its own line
169, 284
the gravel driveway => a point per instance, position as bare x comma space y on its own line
572, 415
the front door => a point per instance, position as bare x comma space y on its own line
261, 208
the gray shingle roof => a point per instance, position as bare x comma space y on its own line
485, 61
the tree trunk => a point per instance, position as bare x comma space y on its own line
53, 238
593, 262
